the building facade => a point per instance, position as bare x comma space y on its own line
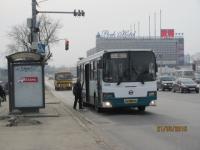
168, 51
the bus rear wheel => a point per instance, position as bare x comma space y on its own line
141, 108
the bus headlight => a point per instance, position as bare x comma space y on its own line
107, 105
152, 93
152, 103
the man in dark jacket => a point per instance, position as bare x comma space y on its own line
77, 91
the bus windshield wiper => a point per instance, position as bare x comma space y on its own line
134, 70
119, 81
142, 75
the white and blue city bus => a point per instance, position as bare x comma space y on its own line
119, 79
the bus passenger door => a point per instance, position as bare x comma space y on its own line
87, 83
99, 82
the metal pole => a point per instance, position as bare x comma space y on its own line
155, 24
34, 28
149, 27
56, 12
34, 35
10, 84
138, 28
160, 22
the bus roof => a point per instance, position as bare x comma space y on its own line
185, 70
99, 54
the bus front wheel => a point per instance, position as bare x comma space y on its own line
141, 108
96, 107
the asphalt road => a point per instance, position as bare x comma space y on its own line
133, 130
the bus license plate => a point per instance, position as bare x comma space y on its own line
130, 101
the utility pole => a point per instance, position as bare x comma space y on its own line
35, 29
149, 26
34, 33
155, 24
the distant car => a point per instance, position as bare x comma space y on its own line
197, 78
185, 85
165, 82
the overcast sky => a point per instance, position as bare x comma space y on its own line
112, 15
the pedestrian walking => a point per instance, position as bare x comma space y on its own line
77, 91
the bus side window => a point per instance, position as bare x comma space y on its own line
95, 70
100, 64
91, 71
79, 71
82, 72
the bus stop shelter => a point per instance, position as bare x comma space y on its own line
26, 81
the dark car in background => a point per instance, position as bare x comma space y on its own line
197, 78
165, 82
185, 85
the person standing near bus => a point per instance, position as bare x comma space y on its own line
77, 91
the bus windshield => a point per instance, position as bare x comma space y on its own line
135, 66
63, 76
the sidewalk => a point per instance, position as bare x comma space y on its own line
57, 127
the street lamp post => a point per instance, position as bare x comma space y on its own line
34, 28
34, 34
160, 56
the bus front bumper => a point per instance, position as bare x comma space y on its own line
129, 102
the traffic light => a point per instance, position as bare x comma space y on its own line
82, 13
75, 13
79, 13
66, 44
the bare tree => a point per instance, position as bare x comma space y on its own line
48, 32
20, 35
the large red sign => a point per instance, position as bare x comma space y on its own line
28, 79
167, 33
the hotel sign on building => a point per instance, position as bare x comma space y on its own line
109, 35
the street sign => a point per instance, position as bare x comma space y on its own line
41, 48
